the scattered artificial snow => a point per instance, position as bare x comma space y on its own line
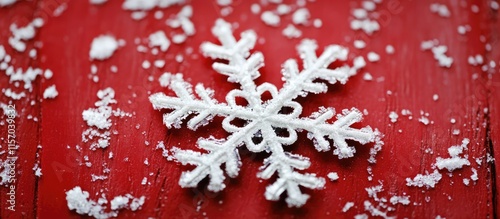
301, 16
435, 97
78, 200
393, 116
440, 9
359, 44
21, 34
347, 206
291, 32
50, 92
48, 74
103, 47
428, 180
159, 39
455, 161
99, 119
262, 117
367, 77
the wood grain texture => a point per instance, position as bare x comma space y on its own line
407, 79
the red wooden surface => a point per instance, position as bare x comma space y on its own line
412, 76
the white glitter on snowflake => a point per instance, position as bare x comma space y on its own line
270, 125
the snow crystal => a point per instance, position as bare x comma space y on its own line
428, 180
435, 97
301, 16
368, 5
263, 117
347, 206
367, 77
103, 47
359, 44
48, 74
98, 2
270, 18
159, 39
255, 8
474, 177
333, 176
4, 3
404, 200
50, 92
146, 64
360, 13
373, 57
455, 161
389, 49
283, 9
440, 9
393, 116
224, 2
78, 200
291, 32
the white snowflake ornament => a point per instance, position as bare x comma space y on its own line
270, 125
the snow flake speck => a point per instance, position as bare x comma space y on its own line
103, 47
50, 92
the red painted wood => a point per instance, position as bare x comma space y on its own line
412, 76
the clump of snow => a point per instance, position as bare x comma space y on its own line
455, 161
427, 180
79, 200
440, 9
438, 51
99, 119
347, 206
393, 116
103, 47
159, 39
359, 44
291, 32
373, 57
333, 176
21, 34
50, 92
361, 20
301, 16
270, 18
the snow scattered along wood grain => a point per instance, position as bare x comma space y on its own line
22, 34
99, 119
79, 201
